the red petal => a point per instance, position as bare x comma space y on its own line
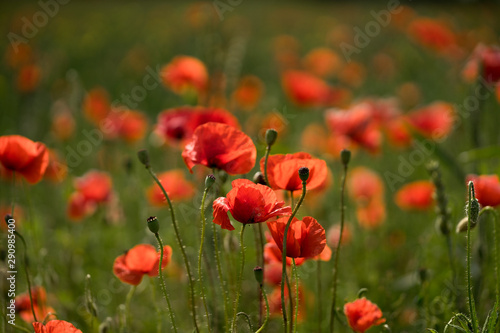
124, 273
220, 209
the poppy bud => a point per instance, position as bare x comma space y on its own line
143, 157
259, 274
258, 178
474, 206
462, 225
7, 218
153, 224
271, 136
209, 181
304, 173
345, 156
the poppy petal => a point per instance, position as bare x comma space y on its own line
221, 207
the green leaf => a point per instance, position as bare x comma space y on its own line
492, 320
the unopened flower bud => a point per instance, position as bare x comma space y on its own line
258, 178
143, 156
345, 156
271, 136
153, 224
462, 225
209, 181
259, 274
304, 174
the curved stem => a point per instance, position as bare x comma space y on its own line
337, 250
296, 276
181, 246
158, 311
162, 284
200, 255
283, 257
240, 278
127, 304
472, 305
493, 212
267, 310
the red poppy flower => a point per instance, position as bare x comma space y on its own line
220, 146
177, 187
272, 253
248, 203
416, 196
28, 158
487, 58
357, 124
273, 273
23, 305
333, 234
96, 105
363, 314
371, 214
140, 260
63, 125
323, 62
432, 34
55, 326
397, 133
79, 207
487, 189
282, 171
305, 89
274, 299
127, 125
185, 73
249, 92
28, 78
364, 184
179, 124
433, 121
95, 186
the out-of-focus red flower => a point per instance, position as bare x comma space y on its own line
176, 185
220, 146
322, 62
63, 125
275, 302
363, 314
432, 34
415, 196
397, 133
28, 158
305, 89
325, 255
184, 74
127, 125
96, 105
305, 239
487, 189
371, 214
487, 58
79, 207
249, 92
140, 260
364, 184
28, 78
353, 74
57, 169
333, 235
273, 273
95, 186
23, 305
433, 121
55, 326
357, 124
283, 171
248, 203
178, 124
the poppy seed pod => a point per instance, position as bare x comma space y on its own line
153, 224
259, 274
143, 157
345, 156
209, 181
304, 173
271, 136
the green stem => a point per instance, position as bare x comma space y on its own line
128, 299
259, 256
28, 280
219, 272
320, 297
158, 311
337, 250
283, 258
493, 212
290, 300
162, 283
296, 276
261, 329
200, 255
472, 305
268, 150
240, 278
181, 246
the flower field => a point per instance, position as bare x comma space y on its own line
237, 166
